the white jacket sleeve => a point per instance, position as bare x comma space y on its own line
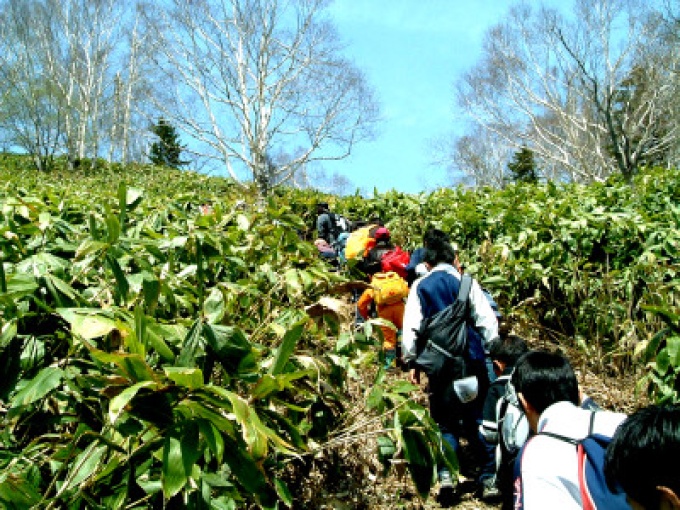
413, 316
483, 315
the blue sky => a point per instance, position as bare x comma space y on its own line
411, 51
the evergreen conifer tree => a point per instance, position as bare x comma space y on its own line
167, 150
523, 167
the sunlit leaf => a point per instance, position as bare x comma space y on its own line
191, 378
180, 452
118, 403
47, 380
88, 323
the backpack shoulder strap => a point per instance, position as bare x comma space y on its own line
465, 286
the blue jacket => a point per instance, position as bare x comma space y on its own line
434, 292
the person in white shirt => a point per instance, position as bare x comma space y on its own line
429, 295
548, 393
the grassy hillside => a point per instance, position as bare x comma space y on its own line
153, 354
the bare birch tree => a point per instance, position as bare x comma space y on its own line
73, 77
555, 83
248, 78
31, 117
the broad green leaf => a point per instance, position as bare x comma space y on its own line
230, 345
251, 426
84, 466
122, 284
180, 452
132, 366
7, 332
287, 347
214, 306
283, 492
192, 346
63, 287
213, 437
293, 284
248, 472
18, 493
418, 453
20, 285
113, 228
47, 380
152, 291
88, 323
191, 378
269, 384
118, 403
673, 348
155, 336
42, 264
90, 247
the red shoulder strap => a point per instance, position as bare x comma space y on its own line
586, 500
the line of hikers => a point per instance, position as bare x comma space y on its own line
536, 440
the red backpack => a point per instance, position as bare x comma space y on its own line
395, 260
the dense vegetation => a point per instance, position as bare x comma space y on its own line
153, 355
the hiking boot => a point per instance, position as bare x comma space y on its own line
489, 490
447, 488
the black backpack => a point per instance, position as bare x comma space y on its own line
442, 340
339, 224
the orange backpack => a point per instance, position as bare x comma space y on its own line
389, 288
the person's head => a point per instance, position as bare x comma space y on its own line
382, 234
321, 207
438, 248
505, 351
644, 458
542, 379
434, 234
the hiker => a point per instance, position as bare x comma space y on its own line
390, 308
644, 458
504, 427
429, 295
325, 249
547, 469
329, 225
383, 243
416, 266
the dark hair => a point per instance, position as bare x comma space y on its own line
545, 378
434, 234
644, 454
438, 248
508, 349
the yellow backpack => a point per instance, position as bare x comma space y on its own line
357, 242
388, 288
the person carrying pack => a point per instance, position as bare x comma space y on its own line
387, 291
372, 262
454, 406
329, 225
395, 260
556, 465
359, 242
504, 428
